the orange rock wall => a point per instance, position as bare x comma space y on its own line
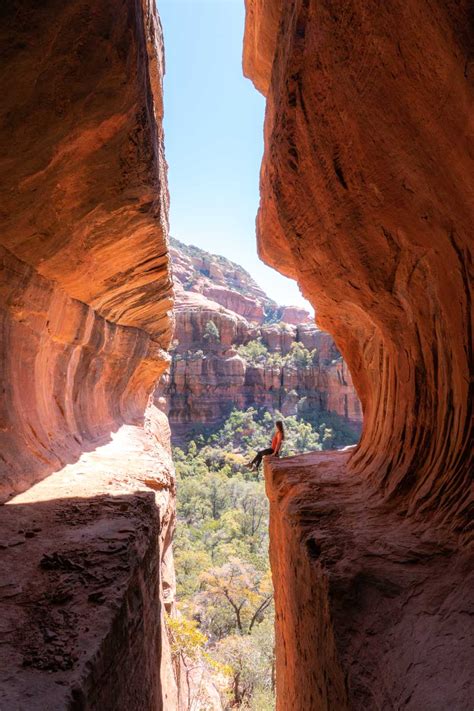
369, 613
85, 289
85, 313
366, 199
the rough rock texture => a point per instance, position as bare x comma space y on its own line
85, 299
70, 377
370, 614
295, 315
229, 285
366, 199
208, 378
87, 574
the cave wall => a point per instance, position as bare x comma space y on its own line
366, 199
370, 613
86, 293
86, 476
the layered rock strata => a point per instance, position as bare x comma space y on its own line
85, 300
366, 199
219, 280
85, 283
208, 376
89, 576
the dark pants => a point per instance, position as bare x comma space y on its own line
257, 460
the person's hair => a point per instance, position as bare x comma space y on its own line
279, 425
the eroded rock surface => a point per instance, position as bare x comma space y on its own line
87, 576
366, 200
370, 614
85, 284
85, 301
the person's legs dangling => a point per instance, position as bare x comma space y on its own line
260, 455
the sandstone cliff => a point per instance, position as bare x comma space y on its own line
86, 292
210, 375
366, 199
85, 301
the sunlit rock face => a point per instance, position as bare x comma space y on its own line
85, 289
221, 281
366, 199
85, 311
208, 377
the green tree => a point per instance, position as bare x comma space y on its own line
254, 351
211, 332
300, 356
221, 542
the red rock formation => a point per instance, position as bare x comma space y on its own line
89, 572
295, 315
194, 311
85, 285
220, 280
370, 615
208, 378
366, 199
232, 300
85, 299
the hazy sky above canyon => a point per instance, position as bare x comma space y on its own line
214, 136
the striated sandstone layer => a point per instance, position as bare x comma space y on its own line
367, 200
85, 284
225, 283
208, 377
85, 314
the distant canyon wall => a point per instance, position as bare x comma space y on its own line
208, 376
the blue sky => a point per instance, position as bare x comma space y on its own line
214, 136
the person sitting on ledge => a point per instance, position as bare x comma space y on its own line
277, 441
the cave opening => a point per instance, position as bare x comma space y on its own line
369, 211
241, 359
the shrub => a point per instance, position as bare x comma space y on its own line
253, 352
211, 332
185, 637
300, 356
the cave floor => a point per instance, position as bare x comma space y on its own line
383, 607
71, 549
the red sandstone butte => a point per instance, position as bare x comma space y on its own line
208, 378
85, 310
367, 200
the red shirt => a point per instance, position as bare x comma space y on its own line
276, 441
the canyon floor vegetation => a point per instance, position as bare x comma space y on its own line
224, 586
